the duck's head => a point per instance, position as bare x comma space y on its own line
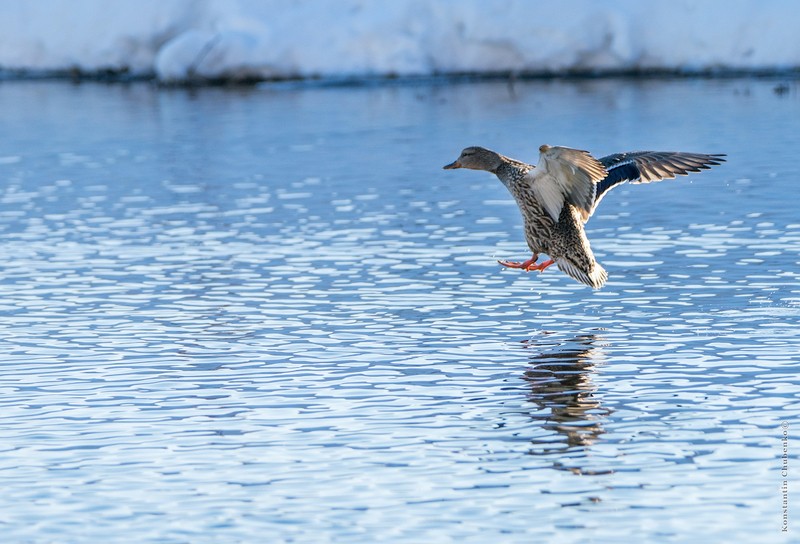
477, 158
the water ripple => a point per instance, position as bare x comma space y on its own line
205, 342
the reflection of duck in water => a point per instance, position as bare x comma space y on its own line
560, 382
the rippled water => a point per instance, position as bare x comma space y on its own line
269, 315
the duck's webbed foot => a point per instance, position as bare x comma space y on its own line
528, 265
540, 267
523, 265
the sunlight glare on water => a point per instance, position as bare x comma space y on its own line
269, 313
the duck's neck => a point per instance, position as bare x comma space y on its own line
509, 169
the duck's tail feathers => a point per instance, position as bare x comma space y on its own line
595, 277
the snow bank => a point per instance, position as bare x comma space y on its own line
177, 40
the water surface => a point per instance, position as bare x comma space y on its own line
269, 315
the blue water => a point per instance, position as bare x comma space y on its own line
268, 315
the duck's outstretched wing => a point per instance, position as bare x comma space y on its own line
647, 166
567, 175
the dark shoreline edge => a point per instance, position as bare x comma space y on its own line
114, 76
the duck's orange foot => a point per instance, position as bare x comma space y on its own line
528, 265
512, 264
542, 266
523, 265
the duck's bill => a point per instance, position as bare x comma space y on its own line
452, 165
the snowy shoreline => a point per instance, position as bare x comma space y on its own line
247, 41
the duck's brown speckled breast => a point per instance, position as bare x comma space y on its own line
538, 225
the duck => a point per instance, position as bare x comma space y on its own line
558, 195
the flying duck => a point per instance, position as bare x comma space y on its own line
558, 195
